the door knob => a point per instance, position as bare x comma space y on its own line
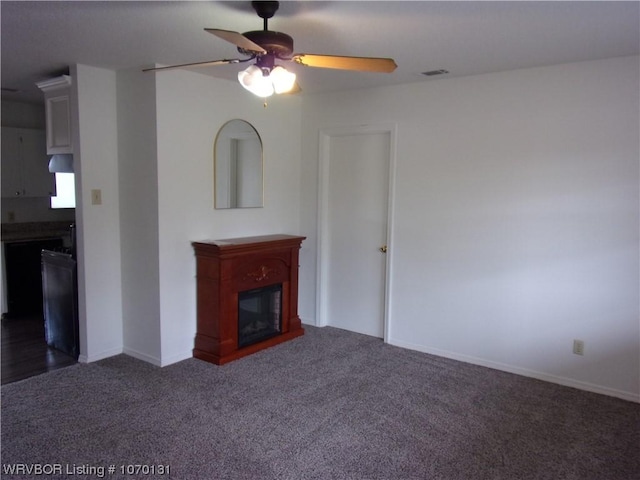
383, 249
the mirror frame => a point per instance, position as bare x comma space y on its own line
217, 175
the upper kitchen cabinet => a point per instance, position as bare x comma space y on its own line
25, 164
57, 94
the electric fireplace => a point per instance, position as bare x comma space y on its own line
259, 314
247, 295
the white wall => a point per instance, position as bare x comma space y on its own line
191, 108
94, 122
138, 189
516, 219
147, 142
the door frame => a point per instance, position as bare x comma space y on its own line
324, 144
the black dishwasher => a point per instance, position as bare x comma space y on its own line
24, 283
60, 301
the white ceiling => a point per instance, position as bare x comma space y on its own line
41, 39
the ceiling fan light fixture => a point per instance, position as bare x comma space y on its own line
282, 79
263, 82
254, 80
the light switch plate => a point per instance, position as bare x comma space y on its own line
96, 197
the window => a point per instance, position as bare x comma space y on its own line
66, 191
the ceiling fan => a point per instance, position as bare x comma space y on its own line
264, 77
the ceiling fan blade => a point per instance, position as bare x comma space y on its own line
237, 39
196, 64
364, 64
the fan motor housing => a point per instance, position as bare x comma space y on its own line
276, 43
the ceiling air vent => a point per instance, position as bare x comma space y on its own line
433, 73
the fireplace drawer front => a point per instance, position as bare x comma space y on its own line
259, 273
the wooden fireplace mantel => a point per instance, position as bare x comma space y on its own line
224, 268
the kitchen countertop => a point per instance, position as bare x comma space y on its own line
15, 232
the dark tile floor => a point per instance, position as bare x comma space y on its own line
25, 352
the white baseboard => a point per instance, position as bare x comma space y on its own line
567, 382
307, 321
100, 356
178, 357
142, 356
136, 354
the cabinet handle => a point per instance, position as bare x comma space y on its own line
17, 192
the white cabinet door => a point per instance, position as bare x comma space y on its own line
58, 123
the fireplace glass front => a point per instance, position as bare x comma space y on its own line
259, 314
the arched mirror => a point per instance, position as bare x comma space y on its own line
238, 166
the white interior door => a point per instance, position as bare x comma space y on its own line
355, 214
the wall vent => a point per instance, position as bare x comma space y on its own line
433, 73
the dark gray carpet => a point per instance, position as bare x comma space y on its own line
328, 405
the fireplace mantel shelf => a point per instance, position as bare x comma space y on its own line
225, 268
